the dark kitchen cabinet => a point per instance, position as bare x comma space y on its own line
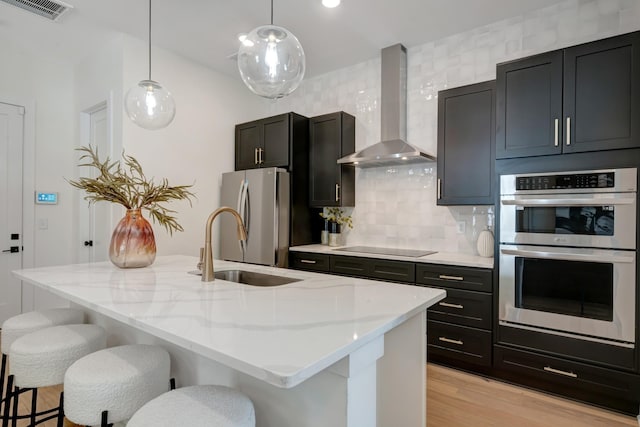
466, 141
459, 328
282, 141
580, 99
271, 142
368, 268
610, 388
309, 261
373, 268
331, 136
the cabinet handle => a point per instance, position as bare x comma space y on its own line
555, 138
449, 340
446, 304
255, 156
337, 192
446, 277
568, 130
559, 372
260, 156
307, 261
439, 188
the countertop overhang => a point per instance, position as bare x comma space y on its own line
281, 335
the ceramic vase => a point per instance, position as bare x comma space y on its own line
485, 243
324, 234
133, 244
334, 234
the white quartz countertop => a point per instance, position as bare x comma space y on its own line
281, 335
448, 258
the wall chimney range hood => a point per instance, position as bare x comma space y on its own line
393, 149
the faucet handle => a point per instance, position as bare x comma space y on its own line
199, 265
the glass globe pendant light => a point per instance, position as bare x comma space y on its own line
271, 61
148, 104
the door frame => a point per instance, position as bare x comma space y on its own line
84, 140
28, 191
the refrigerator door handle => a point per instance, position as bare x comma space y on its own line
242, 201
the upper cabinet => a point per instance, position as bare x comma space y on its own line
466, 129
583, 98
270, 142
331, 136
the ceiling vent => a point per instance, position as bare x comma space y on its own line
46, 8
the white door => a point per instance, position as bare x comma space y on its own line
11, 142
94, 221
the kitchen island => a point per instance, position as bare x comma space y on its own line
322, 351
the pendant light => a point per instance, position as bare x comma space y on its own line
148, 104
271, 61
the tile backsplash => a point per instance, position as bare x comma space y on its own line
396, 206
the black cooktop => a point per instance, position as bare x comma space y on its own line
387, 251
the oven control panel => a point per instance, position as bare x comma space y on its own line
551, 182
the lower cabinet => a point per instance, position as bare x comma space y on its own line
372, 268
609, 388
458, 328
309, 261
450, 341
460, 333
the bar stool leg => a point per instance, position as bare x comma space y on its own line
16, 397
104, 423
61, 410
7, 402
34, 403
3, 371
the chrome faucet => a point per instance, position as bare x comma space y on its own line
207, 262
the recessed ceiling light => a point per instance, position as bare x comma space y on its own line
330, 3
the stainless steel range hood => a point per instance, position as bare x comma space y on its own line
393, 149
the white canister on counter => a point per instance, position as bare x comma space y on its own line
485, 243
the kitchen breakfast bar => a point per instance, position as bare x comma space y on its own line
321, 351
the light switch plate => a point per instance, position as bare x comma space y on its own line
461, 227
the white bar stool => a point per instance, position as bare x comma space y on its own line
197, 406
17, 326
41, 358
110, 385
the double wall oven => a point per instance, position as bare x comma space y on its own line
568, 254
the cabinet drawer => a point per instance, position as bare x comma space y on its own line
602, 386
465, 308
309, 261
349, 266
467, 278
397, 271
459, 342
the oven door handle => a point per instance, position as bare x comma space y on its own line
618, 258
599, 201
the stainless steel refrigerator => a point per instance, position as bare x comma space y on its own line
261, 197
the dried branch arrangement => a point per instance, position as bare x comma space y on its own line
127, 185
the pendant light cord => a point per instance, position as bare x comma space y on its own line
150, 39
271, 12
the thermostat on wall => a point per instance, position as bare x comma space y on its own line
46, 198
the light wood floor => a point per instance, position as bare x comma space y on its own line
457, 399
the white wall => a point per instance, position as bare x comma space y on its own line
198, 146
48, 86
396, 206
45, 87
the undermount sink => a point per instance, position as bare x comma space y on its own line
252, 278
